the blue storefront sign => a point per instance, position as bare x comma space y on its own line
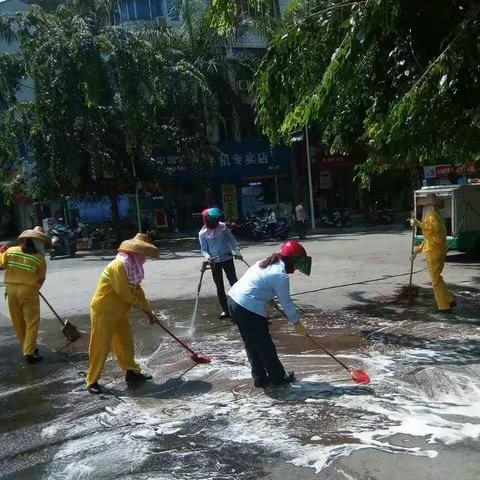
247, 159
98, 209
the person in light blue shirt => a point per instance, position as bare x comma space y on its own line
219, 246
247, 300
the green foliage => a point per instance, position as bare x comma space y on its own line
397, 79
201, 70
105, 95
11, 74
226, 18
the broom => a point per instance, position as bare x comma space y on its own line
196, 357
69, 330
356, 375
408, 293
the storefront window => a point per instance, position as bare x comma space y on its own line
122, 12
131, 9
157, 8
143, 9
128, 10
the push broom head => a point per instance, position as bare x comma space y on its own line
408, 294
199, 358
71, 332
359, 376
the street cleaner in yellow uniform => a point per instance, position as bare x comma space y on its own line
117, 291
434, 247
25, 271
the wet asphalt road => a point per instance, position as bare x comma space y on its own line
420, 417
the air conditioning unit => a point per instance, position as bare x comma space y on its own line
243, 86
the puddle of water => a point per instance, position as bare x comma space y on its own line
209, 422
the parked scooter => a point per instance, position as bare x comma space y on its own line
259, 229
64, 240
346, 218
380, 215
278, 230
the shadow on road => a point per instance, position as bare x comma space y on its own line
302, 390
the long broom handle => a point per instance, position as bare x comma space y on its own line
318, 344
51, 308
314, 340
414, 231
163, 327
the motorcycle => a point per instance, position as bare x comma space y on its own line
278, 230
338, 218
64, 241
380, 215
259, 229
346, 218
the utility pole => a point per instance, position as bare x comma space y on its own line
310, 186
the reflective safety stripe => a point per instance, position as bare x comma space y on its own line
25, 255
22, 266
106, 275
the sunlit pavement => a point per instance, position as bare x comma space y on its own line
420, 417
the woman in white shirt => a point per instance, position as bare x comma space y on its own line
261, 283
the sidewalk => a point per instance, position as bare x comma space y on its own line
319, 230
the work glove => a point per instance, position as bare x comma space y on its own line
238, 256
299, 328
414, 222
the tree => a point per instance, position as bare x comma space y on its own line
396, 79
204, 72
100, 101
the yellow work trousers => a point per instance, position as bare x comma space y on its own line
435, 263
110, 331
24, 306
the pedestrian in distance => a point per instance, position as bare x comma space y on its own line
118, 289
301, 221
434, 246
247, 299
271, 220
25, 271
219, 247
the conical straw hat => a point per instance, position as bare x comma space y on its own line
37, 233
430, 199
140, 243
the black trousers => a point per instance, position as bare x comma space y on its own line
301, 229
261, 351
217, 272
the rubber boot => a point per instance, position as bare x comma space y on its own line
95, 388
260, 382
35, 358
132, 376
288, 378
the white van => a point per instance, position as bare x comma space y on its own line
461, 211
